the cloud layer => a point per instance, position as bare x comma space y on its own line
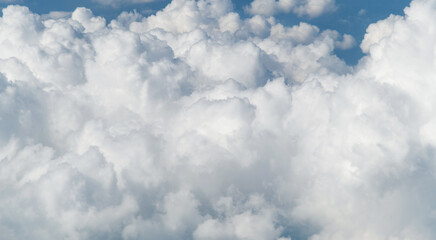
195, 123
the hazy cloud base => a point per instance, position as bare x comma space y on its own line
195, 123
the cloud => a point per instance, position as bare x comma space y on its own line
311, 8
198, 123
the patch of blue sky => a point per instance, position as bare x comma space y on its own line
351, 16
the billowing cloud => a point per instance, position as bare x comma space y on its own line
197, 123
311, 8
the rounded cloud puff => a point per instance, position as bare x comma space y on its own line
197, 123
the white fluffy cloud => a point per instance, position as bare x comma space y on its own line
311, 8
196, 123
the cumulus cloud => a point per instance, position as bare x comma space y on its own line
197, 123
311, 8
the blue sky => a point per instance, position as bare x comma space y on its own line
346, 18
